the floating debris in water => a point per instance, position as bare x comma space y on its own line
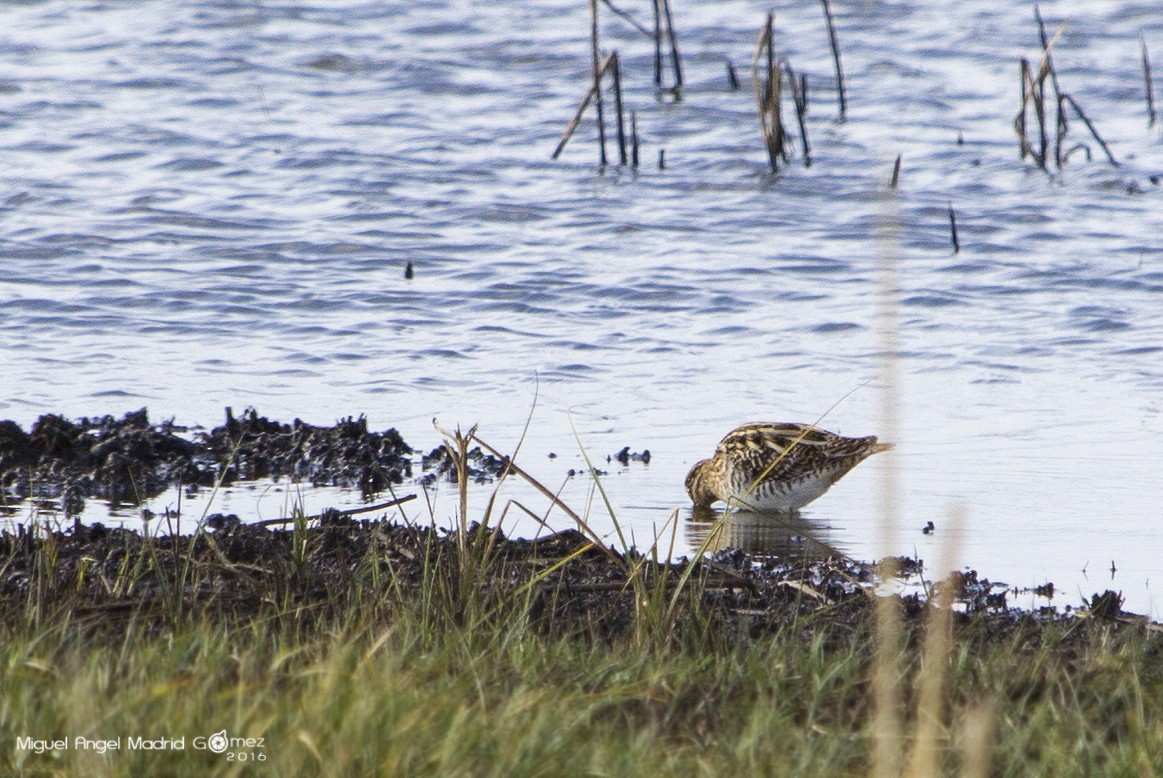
625, 457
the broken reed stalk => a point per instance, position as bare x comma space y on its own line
596, 69
581, 109
835, 44
336, 514
627, 18
675, 59
799, 93
616, 69
1027, 80
1047, 61
896, 173
767, 93
1148, 88
1090, 126
1033, 92
732, 77
657, 46
633, 140
1062, 126
953, 230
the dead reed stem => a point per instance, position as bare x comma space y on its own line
953, 230
1047, 61
834, 42
675, 59
657, 45
596, 64
581, 109
616, 69
334, 513
627, 18
633, 140
896, 173
799, 93
767, 96
1090, 126
1148, 89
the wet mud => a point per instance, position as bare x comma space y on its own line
130, 459
231, 569
568, 586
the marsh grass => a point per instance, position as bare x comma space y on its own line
428, 653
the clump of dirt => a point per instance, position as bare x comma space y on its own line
482, 467
129, 460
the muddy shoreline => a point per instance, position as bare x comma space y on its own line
237, 570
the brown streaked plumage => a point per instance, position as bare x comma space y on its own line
776, 467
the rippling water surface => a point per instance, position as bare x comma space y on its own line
212, 203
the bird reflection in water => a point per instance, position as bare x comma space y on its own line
783, 535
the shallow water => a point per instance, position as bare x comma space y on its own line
208, 204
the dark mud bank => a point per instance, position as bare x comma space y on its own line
131, 459
315, 575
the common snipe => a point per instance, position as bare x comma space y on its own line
776, 467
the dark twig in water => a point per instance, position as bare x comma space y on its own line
662, 159
800, 98
616, 69
1090, 126
332, 513
581, 109
835, 44
896, 173
1062, 126
596, 69
1077, 147
626, 16
675, 59
953, 230
633, 140
1148, 88
732, 77
657, 45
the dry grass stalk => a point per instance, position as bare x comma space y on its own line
928, 743
887, 727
